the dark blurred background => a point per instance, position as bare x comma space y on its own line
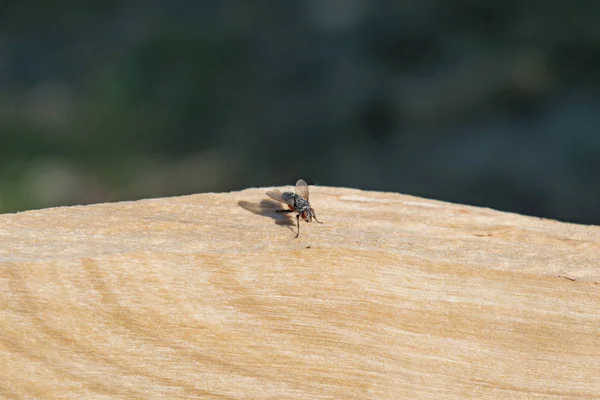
491, 103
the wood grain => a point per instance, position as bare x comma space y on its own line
210, 296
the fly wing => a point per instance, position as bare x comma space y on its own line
276, 195
302, 189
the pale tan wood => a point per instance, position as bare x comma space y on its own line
208, 296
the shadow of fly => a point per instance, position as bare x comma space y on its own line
296, 202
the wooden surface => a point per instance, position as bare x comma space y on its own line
210, 296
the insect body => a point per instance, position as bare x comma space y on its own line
296, 202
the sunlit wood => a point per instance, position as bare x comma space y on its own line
211, 296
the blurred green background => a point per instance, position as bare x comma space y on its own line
491, 103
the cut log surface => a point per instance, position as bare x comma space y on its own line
210, 296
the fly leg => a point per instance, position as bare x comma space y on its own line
297, 218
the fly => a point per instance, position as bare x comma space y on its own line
296, 202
